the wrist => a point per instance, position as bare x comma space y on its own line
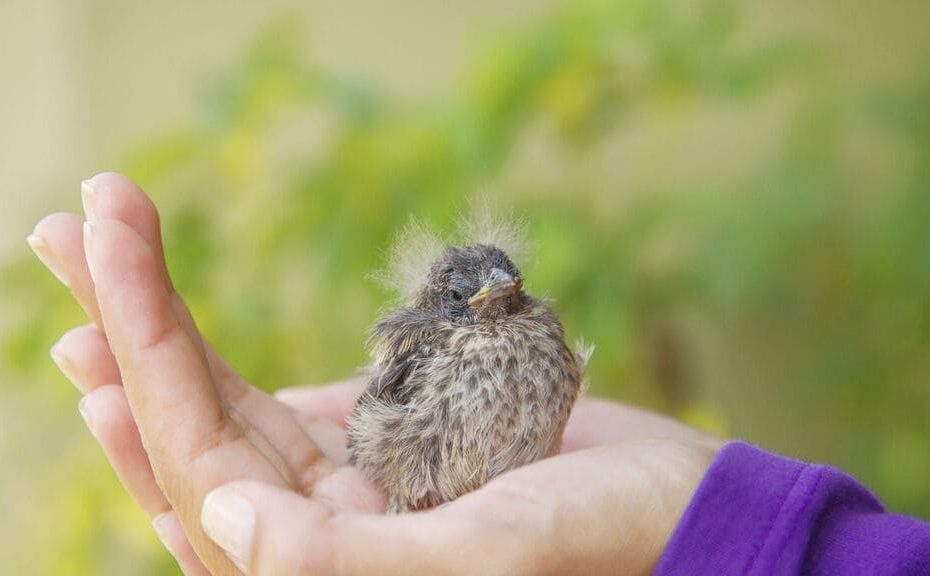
628, 514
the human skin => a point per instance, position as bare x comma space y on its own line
181, 429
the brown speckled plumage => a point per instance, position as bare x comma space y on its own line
470, 378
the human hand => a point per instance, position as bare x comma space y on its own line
199, 422
263, 439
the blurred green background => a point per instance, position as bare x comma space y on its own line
732, 201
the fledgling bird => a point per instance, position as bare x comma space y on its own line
471, 377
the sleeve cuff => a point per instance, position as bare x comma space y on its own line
754, 513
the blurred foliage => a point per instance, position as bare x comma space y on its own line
781, 297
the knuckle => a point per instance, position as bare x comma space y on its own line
312, 467
162, 334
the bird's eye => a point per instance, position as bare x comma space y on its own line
456, 295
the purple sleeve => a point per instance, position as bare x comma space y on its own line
757, 513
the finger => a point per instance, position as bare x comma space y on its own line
107, 415
265, 530
333, 402
265, 422
309, 448
176, 407
84, 356
191, 444
598, 422
105, 196
57, 241
268, 423
329, 437
112, 196
322, 412
303, 447
169, 530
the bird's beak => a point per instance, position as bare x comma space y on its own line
498, 284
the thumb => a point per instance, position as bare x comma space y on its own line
268, 530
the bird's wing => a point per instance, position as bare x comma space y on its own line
388, 382
401, 341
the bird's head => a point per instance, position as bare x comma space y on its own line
472, 284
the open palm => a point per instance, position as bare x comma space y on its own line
181, 429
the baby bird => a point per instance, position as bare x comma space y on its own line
471, 378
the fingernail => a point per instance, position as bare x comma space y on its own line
88, 230
67, 367
160, 524
229, 520
40, 248
167, 528
285, 395
88, 236
89, 199
82, 410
